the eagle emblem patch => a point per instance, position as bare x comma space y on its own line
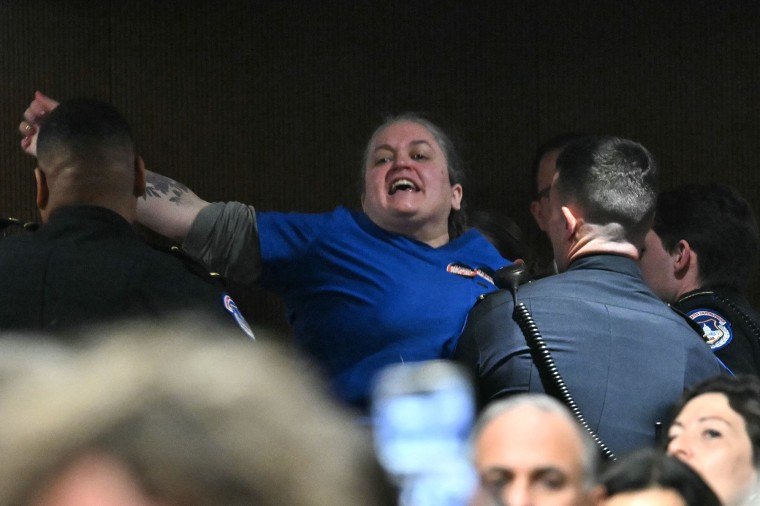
716, 329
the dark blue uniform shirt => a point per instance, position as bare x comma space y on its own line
625, 356
87, 265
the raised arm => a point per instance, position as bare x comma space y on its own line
33, 116
168, 207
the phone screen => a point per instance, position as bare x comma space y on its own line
422, 416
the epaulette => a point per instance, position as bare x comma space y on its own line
194, 266
484, 296
10, 226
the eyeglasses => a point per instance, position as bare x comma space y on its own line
543, 193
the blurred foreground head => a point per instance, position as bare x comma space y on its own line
174, 415
528, 449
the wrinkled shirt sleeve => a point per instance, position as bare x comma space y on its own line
224, 236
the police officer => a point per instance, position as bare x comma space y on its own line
623, 354
700, 257
86, 263
543, 168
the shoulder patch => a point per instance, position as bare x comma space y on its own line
715, 327
232, 308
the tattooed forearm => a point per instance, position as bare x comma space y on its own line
158, 186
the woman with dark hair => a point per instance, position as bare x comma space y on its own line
652, 478
716, 431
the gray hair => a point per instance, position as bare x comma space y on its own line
190, 409
547, 404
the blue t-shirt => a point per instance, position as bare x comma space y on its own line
360, 298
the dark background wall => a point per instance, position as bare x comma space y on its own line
271, 102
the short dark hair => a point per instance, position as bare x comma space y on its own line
648, 468
743, 394
552, 144
719, 225
89, 133
613, 180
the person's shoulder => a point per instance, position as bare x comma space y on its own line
168, 268
24, 248
722, 316
495, 301
175, 258
726, 301
268, 221
343, 215
339, 212
191, 285
473, 249
17, 241
556, 285
21, 256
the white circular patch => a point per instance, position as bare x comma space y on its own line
232, 308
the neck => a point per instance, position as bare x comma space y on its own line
70, 186
602, 248
437, 242
688, 284
127, 209
601, 239
431, 238
432, 234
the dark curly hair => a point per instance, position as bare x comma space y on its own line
650, 468
743, 393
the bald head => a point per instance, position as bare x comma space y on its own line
529, 450
86, 155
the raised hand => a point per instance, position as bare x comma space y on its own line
33, 118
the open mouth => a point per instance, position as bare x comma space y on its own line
403, 185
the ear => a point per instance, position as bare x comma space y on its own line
139, 186
571, 222
684, 258
43, 193
456, 197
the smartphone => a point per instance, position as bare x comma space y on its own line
422, 415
